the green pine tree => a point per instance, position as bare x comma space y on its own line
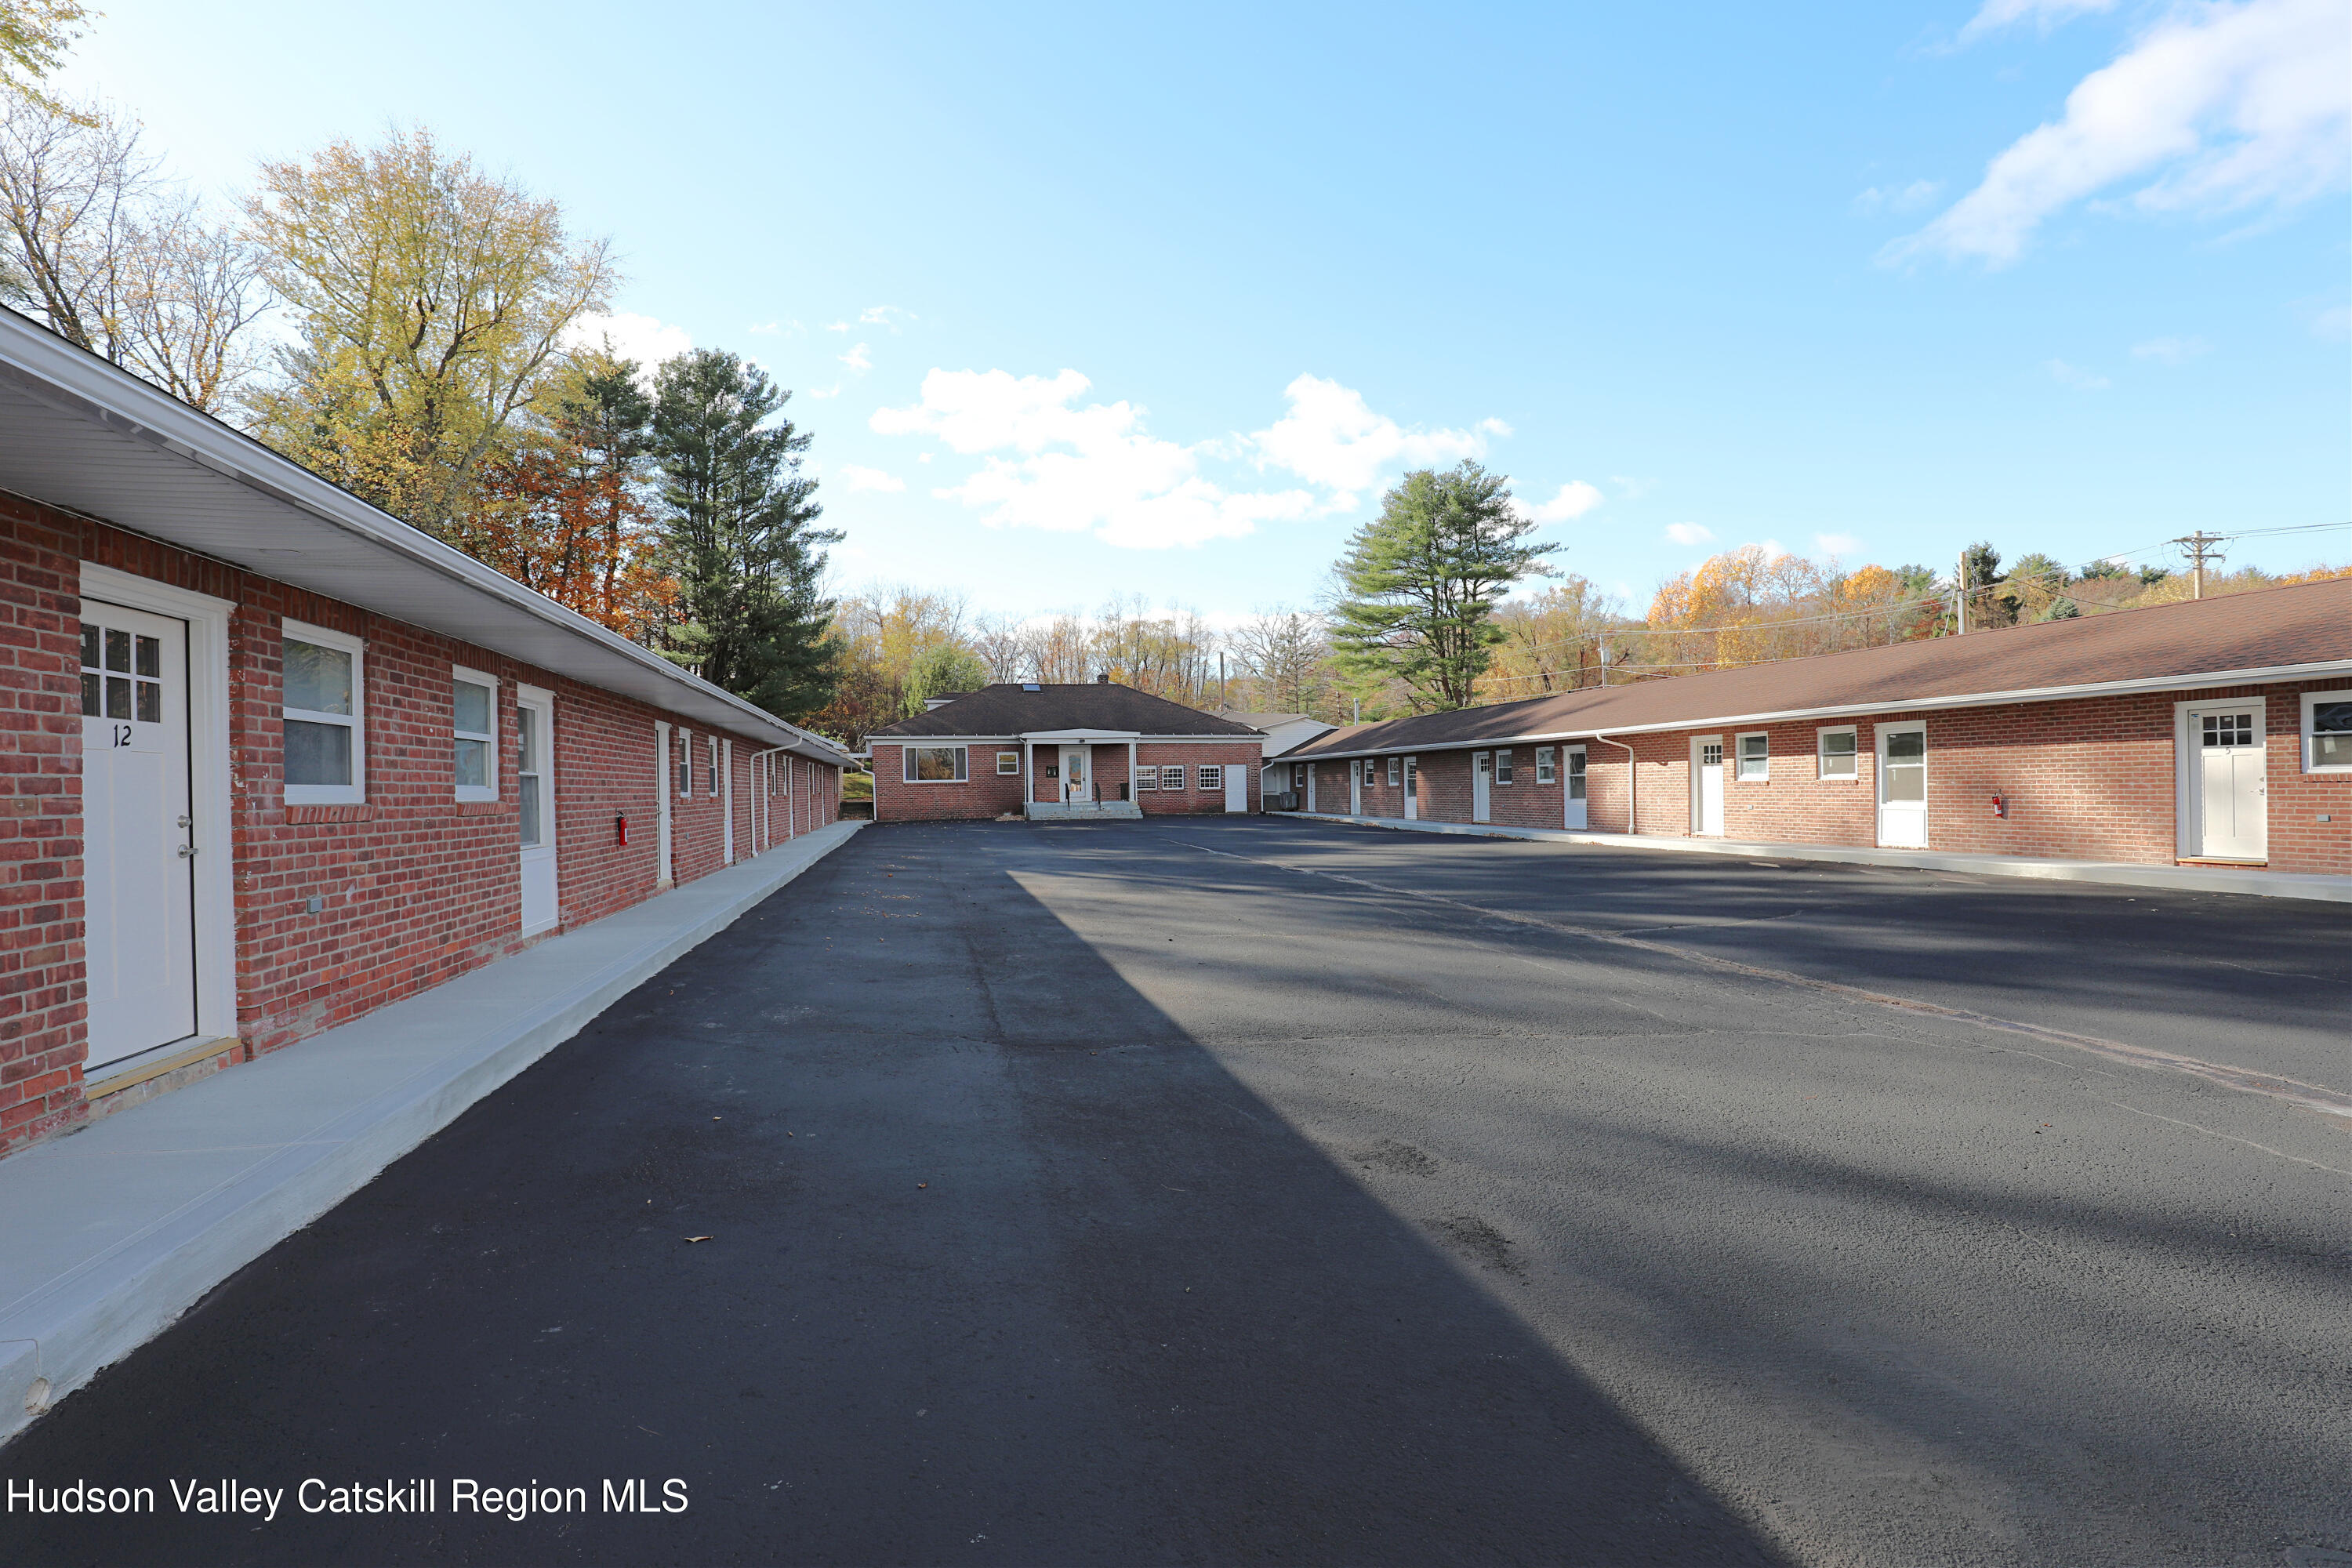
1419, 582
742, 537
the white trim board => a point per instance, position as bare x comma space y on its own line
2319, 887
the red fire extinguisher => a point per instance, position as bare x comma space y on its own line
621, 828
2000, 805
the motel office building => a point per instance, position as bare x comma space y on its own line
1044, 751
2214, 732
274, 759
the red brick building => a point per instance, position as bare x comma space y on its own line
274, 759
1036, 750
2214, 732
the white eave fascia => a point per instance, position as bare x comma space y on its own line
2325, 668
75, 381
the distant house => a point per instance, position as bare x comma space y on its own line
1284, 733
2214, 732
1034, 750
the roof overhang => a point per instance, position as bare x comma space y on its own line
2324, 669
83, 436
1076, 736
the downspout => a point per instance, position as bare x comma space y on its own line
1632, 785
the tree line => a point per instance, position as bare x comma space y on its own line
408, 326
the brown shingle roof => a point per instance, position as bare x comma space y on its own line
1014, 709
2308, 624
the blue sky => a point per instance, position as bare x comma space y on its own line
1091, 301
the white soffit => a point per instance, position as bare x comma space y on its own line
86, 437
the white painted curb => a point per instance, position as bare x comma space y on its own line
112, 1233
2177, 879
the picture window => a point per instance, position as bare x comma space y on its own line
935, 765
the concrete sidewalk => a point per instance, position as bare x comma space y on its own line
2178, 878
112, 1232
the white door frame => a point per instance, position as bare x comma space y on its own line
1085, 751
1698, 785
665, 774
726, 800
208, 778
2187, 771
1237, 777
1311, 771
1413, 789
1575, 813
1482, 785
540, 702
1356, 788
1878, 784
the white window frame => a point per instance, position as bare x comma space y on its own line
1396, 772
1212, 777
682, 739
1147, 776
1008, 764
1503, 767
1822, 754
906, 764
2311, 701
1171, 776
356, 791
482, 792
1545, 772
714, 767
1739, 773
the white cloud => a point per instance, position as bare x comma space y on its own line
641, 338
824, 392
1899, 198
2170, 350
1495, 427
2075, 376
836, 326
2217, 106
1575, 498
1330, 438
1836, 543
858, 360
1631, 488
859, 479
1076, 470
1689, 532
889, 316
2043, 13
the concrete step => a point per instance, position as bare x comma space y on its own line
1084, 811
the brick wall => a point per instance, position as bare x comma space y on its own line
415, 885
982, 796
986, 795
2093, 779
1191, 756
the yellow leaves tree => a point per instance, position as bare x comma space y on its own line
431, 300
34, 37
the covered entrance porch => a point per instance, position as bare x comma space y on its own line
1070, 774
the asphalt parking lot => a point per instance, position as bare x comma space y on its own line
1252, 1190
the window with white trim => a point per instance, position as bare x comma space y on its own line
1171, 778
1756, 757
1007, 763
1837, 749
682, 762
324, 706
1502, 767
1394, 763
2327, 731
474, 733
935, 765
713, 774
1147, 776
1544, 773
1212, 776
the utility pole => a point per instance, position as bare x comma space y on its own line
1221, 677
2199, 546
1960, 592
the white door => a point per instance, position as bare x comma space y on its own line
1413, 789
138, 851
1077, 783
1482, 785
1903, 786
1356, 788
1707, 801
535, 806
662, 785
2230, 784
1312, 770
727, 799
1236, 788
1572, 787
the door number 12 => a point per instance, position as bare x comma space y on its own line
122, 734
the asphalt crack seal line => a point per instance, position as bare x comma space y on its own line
2310, 1097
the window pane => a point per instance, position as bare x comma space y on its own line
473, 708
1173, 778
473, 763
318, 678
529, 811
89, 703
1212, 778
1838, 743
1906, 781
527, 739
90, 645
151, 702
118, 651
1502, 767
2331, 719
118, 697
937, 765
1907, 745
318, 753
1575, 775
1008, 762
2326, 751
150, 658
